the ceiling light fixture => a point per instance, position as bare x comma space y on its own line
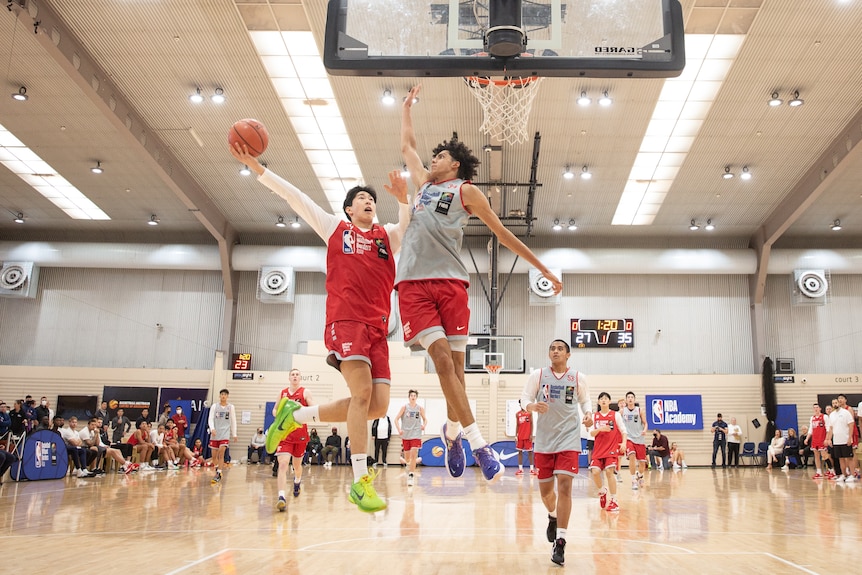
836, 225
605, 100
796, 101
709, 227
387, 99
21, 94
727, 173
218, 97
557, 227
585, 173
279, 223
775, 100
153, 221
244, 171
487, 148
693, 226
584, 100
97, 169
405, 173
745, 175
19, 218
568, 173
572, 226
295, 223
197, 97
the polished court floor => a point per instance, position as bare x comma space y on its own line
746, 520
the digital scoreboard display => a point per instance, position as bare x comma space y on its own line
603, 333
241, 362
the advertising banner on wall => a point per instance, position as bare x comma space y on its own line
131, 400
674, 412
175, 395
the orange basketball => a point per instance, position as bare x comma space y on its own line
251, 133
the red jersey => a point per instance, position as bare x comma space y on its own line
360, 273
525, 425
607, 444
817, 429
299, 397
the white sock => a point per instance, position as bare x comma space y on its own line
281, 493
474, 436
521, 468
453, 428
310, 414
296, 481
561, 533
360, 465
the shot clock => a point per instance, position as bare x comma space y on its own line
603, 333
241, 362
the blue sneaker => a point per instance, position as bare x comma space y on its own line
453, 453
489, 461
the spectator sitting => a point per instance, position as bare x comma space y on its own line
172, 445
44, 424
258, 443
775, 451
75, 447
185, 454
677, 457
5, 420
313, 449
791, 450
332, 449
125, 466
58, 424
18, 419
659, 452
141, 444
95, 450
804, 446
198, 452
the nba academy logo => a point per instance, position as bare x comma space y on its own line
657, 411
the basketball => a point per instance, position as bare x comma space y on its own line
437, 451
251, 133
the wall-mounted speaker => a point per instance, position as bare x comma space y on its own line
810, 286
542, 290
19, 279
275, 284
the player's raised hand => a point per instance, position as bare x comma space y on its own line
240, 152
411, 97
398, 187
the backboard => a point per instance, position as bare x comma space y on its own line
508, 350
564, 38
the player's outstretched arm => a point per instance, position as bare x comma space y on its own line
418, 173
479, 206
398, 189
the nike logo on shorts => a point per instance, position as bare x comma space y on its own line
460, 327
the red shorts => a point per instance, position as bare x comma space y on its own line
294, 444
818, 445
216, 443
408, 444
354, 340
604, 463
524, 445
638, 449
431, 305
565, 462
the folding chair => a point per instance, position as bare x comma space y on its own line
761, 452
748, 451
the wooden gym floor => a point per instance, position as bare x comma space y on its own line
747, 520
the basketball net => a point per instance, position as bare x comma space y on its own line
493, 373
506, 104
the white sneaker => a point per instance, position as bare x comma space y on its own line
851, 479
634, 484
660, 467
785, 467
676, 466
684, 465
619, 479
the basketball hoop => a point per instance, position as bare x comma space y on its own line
506, 104
493, 373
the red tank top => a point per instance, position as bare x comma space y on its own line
818, 429
299, 397
360, 273
606, 444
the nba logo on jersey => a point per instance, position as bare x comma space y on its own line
348, 242
657, 411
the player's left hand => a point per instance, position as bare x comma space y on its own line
398, 189
588, 420
555, 281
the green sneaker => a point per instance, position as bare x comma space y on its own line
362, 493
283, 425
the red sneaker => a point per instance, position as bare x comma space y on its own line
603, 499
519, 472
817, 476
612, 507
534, 472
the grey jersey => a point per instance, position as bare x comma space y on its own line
220, 418
634, 424
431, 248
560, 428
411, 423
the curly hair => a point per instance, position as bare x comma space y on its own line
460, 153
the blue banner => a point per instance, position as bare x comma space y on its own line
675, 412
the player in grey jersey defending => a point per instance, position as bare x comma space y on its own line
432, 280
556, 393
